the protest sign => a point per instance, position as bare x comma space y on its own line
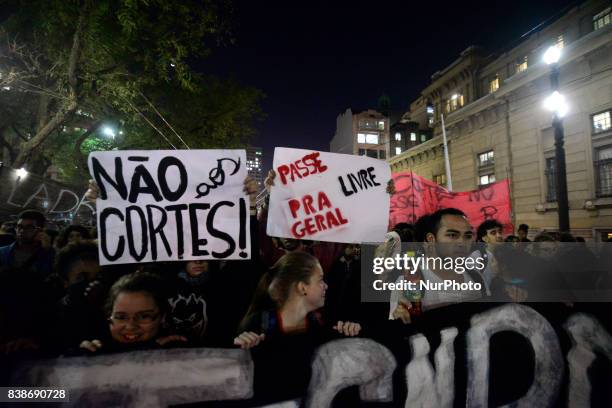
416, 196
165, 205
328, 197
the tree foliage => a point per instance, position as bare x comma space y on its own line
84, 64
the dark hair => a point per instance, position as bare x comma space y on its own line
523, 227
139, 282
33, 215
544, 237
486, 226
275, 285
511, 238
431, 224
580, 239
62, 239
66, 258
405, 231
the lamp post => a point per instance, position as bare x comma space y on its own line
556, 103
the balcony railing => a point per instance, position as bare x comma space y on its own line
603, 178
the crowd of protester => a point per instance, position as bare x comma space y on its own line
292, 296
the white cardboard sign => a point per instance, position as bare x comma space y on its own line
169, 205
328, 197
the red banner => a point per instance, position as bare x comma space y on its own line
416, 196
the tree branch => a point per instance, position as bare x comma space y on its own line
78, 154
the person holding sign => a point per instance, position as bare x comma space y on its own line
296, 288
286, 324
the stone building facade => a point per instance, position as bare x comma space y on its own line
498, 128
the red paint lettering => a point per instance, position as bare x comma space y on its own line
309, 226
307, 201
319, 219
294, 206
323, 201
340, 217
297, 233
282, 172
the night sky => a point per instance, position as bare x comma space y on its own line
314, 59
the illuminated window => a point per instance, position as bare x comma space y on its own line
487, 179
398, 136
454, 102
602, 19
601, 122
413, 137
381, 124
398, 150
423, 138
371, 138
494, 84
521, 65
486, 158
361, 138
440, 179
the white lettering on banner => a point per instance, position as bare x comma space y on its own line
328, 196
141, 377
171, 205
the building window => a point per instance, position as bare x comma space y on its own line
486, 159
372, 153
601, 122
382, 154
398, 150
398, 136
455, 102
551, 180
381, 124
494, 84
368, 124
521, 65
367, 138
486, 179
412, 137
440, 180
362, 152
423, 138
602, 19
603, 172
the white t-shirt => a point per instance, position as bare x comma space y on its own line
433, 298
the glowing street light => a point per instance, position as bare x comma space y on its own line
22, 173
108, 131
556, 104
552, 55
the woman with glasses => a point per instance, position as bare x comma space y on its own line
136, 308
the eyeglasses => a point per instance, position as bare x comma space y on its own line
138, 319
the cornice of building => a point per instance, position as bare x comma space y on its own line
572, 52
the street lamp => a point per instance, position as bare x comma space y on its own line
557, 105
108, 131
22, 173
